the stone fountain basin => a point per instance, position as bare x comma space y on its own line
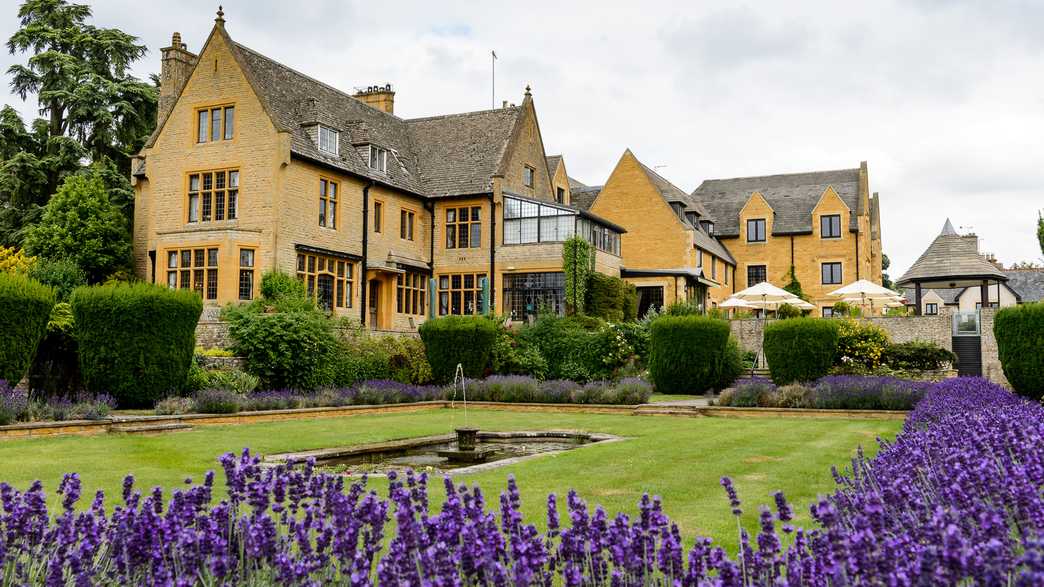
423, 453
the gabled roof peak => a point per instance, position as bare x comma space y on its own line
947, 229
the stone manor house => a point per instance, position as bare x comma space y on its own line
256, 167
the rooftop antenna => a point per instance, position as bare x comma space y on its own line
493, 82
656, 167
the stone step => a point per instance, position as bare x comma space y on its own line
151, 428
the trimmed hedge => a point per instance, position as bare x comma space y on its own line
25, 308
135, 341
918, 355
800, 349
611, 298
686, 353
1020, 344
467, 340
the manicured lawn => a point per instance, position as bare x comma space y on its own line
680, 459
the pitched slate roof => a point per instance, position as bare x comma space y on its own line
1027, 283
552, 164
575, 183
436, 156
948, 295
583, 197
950, 257
792, 196
460, 153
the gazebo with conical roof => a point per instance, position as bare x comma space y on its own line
951, 261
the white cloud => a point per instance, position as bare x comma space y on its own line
944, 99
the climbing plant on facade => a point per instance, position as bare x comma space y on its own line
577, 262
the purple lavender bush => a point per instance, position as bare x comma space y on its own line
853, 392
955, 499
14, 404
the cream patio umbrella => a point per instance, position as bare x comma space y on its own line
734, 303
863, 291
766, 296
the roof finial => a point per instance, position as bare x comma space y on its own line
528, 92
948, 229
220, 15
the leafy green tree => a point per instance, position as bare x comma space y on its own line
886, 281
80, 223
1040, 231
95, 111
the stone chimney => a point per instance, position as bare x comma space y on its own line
379, 97
177, 63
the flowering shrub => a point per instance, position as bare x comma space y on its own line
955, 499
841, 392
14, 404
81, 406
860, 343
519, 388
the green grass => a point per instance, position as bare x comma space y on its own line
681, 459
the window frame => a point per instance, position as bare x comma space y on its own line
378, 216
560, 195
758, 222
547, 286
831, 264
310, 266
332, 133
247, 271
328, 204
411, 293
827, 312
202, 276
764, 272
457, 227
449, 293
528, 176
381, 161
931, 308
520, 214
407, 223
830, 235
229, 195
225, 131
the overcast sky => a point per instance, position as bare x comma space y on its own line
944, 99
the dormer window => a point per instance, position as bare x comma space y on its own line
378, 159
708, 226
328, 140
692, 218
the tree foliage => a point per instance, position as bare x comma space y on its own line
886, 281
81, 224
1040, 231
94, 111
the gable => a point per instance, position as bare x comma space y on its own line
525, 148
792, 197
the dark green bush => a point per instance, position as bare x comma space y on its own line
800, 349
217, 401
25, 308
1020, 344
135, 341
683, 308
731, 364
787, 311
276, 286
578, 348
611, 298
64, 275
686, 353
917, 355
467, 340
514, 356
286, 350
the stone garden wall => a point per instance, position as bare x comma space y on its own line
212, 332
935, 329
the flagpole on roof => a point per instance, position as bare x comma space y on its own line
493, 82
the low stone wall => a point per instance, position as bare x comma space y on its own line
936, 329
212, 333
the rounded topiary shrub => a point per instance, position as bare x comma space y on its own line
687, 353
1020, 345
25, 307
467, 340
800, 349
135, 341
